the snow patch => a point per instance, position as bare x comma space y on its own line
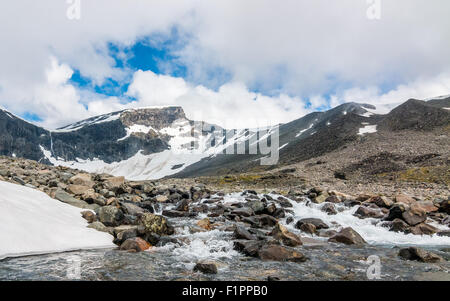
368, 129
33, 223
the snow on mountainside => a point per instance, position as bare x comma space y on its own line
33, 223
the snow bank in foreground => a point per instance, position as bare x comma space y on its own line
33, 223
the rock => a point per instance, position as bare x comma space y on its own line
205, 224
340, 175
64, 197
262, 220
425, 206
284, 202
82, 179
318, 223
396, 211
282, 234
100, 227
413, 253
174, 213
398, 225
135, 244
246, 212
123, 235
242, 233
248, 247
132, 209
414, 216
445, 206
183, 205
279, 253
402, 198
308, 228
381, 201
78, 189
18, 180
423, 229
113, 183
110, 215
206, 267
333, 199
90, 196
320, 198
89, 216
329, 208
273, 278
348, 236
444, 233
258, 207
161, 198
364, 212
155, 224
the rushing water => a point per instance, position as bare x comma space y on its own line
175, 260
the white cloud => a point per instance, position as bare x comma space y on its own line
304, 48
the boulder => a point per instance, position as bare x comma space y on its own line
135, 244
347, 236
110, 215
132, 209
308, 228
65, 197
329, 208
405, 199
248, 247
206, 267
183, 205
282, 234
245, 212
414, 216
413, 253
89, 216
445, 206
123, 235
279, 253
318, 223
423, 229
396, 211
161, 198
381, 201
320, 198
175, 213
426, 206
242, 233
100, 227
364, 212
205, 224
155, 224
78, 189
113, 183
333, 199
82, 179
258, 207
398, 225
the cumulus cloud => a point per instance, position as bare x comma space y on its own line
322, 52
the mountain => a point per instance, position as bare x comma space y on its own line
151, 143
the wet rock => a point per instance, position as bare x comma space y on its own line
89, 216
82, 179
206, 267
364, 212
318, 223
258, 207
444, 233
282, 234
262, 220
413, 253
396, 211
205, 224
398, 225
348, 236
414, 216
308, 228
245, 212
155, 224
135, 244
279, 253
289, 220
284, 202
183, 205
110, 215
423, 229
320, 198
125, 234
147, 205
242, 233
175, 213
329, 208
248, 247
327, 233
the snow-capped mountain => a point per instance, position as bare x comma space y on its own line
151, 143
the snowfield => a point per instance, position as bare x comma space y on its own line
33, 223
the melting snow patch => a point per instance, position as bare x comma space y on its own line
368, 129
302, 131
33, 223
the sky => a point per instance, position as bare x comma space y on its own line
234, 63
